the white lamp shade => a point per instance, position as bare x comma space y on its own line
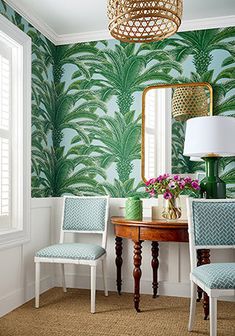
210, 136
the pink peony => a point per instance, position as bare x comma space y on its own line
195, 185
167, 195
150, 181
187, 179
182, 184
154, 180
172, 185
152, 193
165, 176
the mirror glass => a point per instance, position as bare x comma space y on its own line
165, 111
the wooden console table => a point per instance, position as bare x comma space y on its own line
155, 231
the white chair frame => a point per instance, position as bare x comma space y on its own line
213, 294
92, 263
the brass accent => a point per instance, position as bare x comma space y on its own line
144, 20
171, 210
161, 86
211, 155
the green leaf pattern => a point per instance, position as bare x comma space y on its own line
86, 106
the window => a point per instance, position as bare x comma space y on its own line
15, 133
150, 134
5, 93
157, 132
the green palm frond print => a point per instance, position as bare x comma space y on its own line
86, 106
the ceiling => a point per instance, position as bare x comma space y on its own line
63, 17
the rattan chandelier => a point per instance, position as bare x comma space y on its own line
144, 20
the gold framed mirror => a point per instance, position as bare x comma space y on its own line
165, 109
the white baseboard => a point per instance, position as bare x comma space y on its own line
230, 299
21, 295
177, 289
165, 288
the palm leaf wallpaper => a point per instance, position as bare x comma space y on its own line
86, 106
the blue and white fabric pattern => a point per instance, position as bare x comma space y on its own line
217, 276
76, 251
84, 214
214, 223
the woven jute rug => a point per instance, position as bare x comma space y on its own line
68, 314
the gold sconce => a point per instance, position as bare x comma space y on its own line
144, 20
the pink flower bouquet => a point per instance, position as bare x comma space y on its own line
170, 186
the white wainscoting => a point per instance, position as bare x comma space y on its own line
17, 266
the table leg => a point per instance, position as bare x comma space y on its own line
118, 248
205, 259
155, 265
199, 262
137, 273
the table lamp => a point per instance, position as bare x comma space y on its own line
210, 138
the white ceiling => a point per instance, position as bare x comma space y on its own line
62, 17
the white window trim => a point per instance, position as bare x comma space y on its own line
19, 236
163, 132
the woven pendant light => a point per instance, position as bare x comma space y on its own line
189, 102
144, 20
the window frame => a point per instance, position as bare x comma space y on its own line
19, 232
162, 132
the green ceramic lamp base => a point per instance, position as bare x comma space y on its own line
212, 186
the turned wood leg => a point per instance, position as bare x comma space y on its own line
118, 249
206, 305
137, 273
199, 262
155, 265
205, 259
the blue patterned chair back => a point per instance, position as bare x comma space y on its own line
85, 214
213, 222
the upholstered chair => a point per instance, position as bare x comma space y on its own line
211, 226
79, 215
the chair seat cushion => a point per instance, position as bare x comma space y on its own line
72, 251
218, 275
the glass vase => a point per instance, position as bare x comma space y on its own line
171, 208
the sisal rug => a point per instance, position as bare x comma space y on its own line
67, 314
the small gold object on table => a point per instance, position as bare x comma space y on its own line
171, 208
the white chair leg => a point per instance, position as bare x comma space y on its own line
63, 278
93, 288
37, 284
213, 316
192, 305
104, 271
